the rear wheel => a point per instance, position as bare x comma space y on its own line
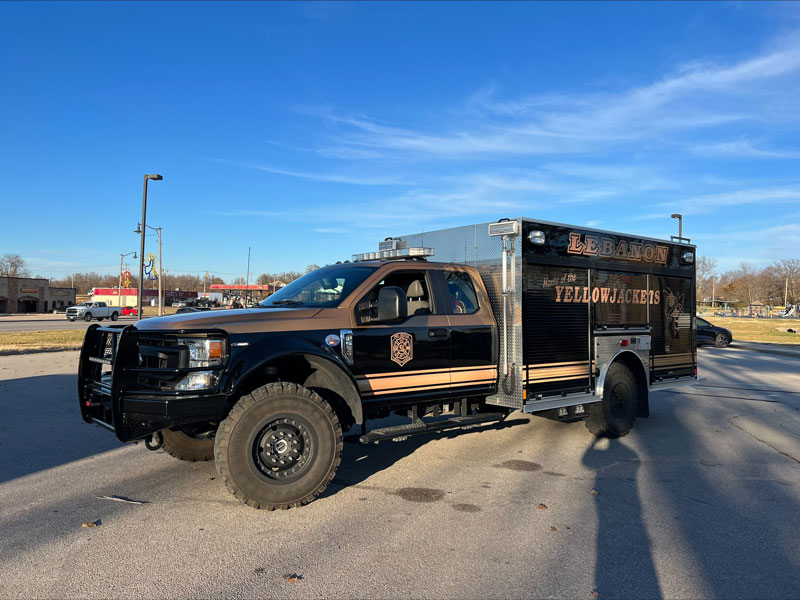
114, 316
183, 446
722, 340
279, 447
614, 416
87, 317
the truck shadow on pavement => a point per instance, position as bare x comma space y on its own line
724, 518
42, 426
360, 462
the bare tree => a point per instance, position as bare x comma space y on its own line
747, 283
13, 265
705, 275
312, 267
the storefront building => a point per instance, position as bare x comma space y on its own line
30, 295
112, 296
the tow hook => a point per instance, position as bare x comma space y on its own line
154, 442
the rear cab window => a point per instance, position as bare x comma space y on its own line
462, 297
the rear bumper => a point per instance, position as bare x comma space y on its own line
109, 394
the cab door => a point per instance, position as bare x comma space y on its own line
473, 333
408, 358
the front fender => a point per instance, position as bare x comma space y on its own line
251, 360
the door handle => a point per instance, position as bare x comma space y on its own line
437, 333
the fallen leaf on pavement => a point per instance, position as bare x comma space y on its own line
596, 594
90, 523
542, 507
553, 528
211, 479
294, 578
594, 493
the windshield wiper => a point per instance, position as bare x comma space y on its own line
287, 302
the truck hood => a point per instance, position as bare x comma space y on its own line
242, 320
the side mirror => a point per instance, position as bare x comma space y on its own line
392, 304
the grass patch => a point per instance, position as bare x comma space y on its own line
152, 311
70, 339
760, 330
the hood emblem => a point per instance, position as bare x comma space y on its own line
402, 348
332, 340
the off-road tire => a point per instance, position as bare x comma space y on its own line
186, 447
722, 340
615, 415
114, 316
242, 449
87, 317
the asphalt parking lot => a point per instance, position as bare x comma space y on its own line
701, 500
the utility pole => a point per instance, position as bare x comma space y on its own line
786, 293
247, 281
205, 279
160, 275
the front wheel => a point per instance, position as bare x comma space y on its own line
722, 340
279, 447
187, 447
87, 317
614, 416
72, 320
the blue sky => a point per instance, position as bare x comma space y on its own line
309, 131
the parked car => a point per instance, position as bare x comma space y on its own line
93, 310
130, 310
190, 309
708, 333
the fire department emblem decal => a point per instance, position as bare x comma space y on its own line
402, 350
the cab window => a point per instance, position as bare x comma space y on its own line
418, 295
463, 300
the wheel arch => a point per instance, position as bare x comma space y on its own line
306, 366
634, 363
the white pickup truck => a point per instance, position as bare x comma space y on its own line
93, 310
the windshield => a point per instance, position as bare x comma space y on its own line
323, 288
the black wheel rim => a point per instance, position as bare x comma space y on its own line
284, 449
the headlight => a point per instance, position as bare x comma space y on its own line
198, 380
204, 352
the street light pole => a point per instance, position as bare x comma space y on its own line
154, 177
119, 289
680, 225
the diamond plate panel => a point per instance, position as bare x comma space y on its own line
471, 245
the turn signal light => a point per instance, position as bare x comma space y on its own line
215, 349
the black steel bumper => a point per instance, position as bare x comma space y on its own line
111, 393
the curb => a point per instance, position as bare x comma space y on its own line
773, 351
17, 352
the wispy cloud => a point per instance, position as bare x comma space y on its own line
741, 148
327, 177
698, 96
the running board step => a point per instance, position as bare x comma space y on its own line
403, 431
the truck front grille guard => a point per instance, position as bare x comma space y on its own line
110, 368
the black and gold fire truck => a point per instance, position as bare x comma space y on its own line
448, 329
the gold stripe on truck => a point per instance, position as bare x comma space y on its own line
378, 384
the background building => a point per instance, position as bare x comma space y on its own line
112, 297
30, 295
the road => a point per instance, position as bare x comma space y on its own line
701, 500
49, 322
